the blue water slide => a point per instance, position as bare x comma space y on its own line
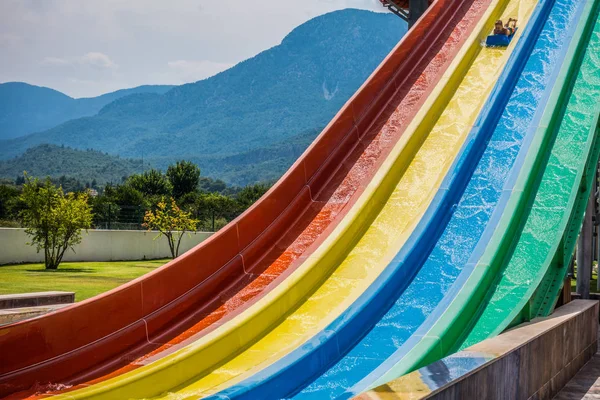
386, 333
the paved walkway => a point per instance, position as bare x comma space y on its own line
586, 384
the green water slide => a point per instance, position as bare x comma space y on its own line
527, 258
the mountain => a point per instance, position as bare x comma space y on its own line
246, 122
293, 87
56, 161
26, 109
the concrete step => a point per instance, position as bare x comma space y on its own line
593, 296
21, 300
13, 315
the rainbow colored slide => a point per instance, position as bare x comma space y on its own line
437, 209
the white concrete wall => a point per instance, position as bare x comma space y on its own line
97, 245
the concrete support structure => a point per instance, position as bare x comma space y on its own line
408, 10
585, 252
416, 8
597, 220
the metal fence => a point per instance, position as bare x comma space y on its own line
119, 217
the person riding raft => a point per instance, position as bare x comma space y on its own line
508, 29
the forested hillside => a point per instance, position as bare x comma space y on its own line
83, 165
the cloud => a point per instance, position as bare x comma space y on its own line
137, 42
10, 40
192, 71
99, 60
55, 61
94, 59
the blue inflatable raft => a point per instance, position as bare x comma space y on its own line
499, 40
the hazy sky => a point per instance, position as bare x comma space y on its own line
89, 47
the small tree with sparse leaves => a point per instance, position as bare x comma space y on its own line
52, 219
171, 221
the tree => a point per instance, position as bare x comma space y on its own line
209, 185
118, 205
9, 197
53, 220
151, 183
171, 221
184, 177
105, 210
215, 205
125, 195
189, 202
69, 184
250, 194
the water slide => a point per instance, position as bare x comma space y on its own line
338, 271
524, 264
544, 239
166, 310
519, 132
400, 247
488, 144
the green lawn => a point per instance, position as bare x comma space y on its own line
593, 283
86, 279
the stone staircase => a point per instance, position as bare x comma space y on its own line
17, 307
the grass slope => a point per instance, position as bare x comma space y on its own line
86, 279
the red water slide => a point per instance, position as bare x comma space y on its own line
173, 305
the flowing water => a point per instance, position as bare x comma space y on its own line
551, 201
464, 230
